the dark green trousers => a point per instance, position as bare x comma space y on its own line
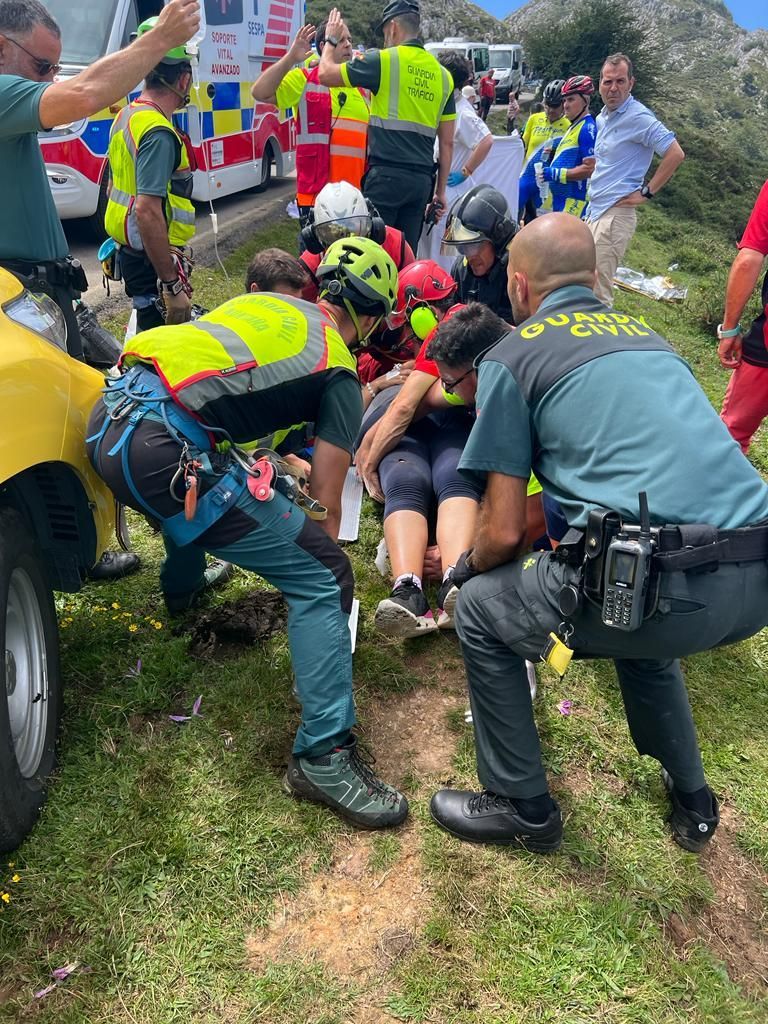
504, 617
400, 195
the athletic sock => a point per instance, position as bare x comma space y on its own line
536, 809
408, 577
700, 801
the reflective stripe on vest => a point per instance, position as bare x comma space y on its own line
407, 101
249, 344
128, 129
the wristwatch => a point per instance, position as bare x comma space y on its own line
174, 287
645, 192
332, 40
730, 333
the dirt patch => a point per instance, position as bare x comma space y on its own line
581, 782
410, 735
354, 920
239, 623
735, 925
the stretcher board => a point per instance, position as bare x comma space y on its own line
351, 504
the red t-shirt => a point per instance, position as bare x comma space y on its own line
756, 232
487, 88
394, 245
422, 363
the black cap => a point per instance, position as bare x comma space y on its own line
395, 7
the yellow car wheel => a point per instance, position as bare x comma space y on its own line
30, 681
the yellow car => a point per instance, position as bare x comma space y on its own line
56, 518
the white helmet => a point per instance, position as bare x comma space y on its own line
339, 212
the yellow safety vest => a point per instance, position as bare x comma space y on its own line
249, 344
128, 129
413, 91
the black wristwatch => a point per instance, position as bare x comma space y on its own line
645, 192
174, 287
332, 40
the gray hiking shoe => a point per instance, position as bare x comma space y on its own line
348, 785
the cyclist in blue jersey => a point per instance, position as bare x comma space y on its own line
574, 158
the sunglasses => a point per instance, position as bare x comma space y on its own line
44, 67
450, 386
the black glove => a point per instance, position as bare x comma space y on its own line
463, 571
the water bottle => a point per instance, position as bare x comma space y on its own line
543, 186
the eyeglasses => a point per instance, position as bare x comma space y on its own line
44, 67
450, 385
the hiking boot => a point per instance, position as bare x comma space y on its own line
446, 603
488, 818
347, 784
405, 612
690, 829
114, 565
216, 574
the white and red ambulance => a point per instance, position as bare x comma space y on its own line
238, 142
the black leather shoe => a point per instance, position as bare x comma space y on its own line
488, 818
690, 830
113, 565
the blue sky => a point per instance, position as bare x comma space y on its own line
747, 13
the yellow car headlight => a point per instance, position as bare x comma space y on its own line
39, 313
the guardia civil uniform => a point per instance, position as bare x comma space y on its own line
256, 365
411, 96
601, 408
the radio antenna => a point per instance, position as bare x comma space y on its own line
645, 519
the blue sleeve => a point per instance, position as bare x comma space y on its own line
20, 105
587, 138
501, 439
657, 136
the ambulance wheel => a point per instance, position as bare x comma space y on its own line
266, 169
30, 681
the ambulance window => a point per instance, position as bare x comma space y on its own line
131, 24
85, 29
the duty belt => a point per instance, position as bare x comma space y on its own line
701, 547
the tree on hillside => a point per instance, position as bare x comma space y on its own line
363, 19
578, 45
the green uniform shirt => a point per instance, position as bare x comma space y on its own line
158, 157
403, 148
600, 408
30, 228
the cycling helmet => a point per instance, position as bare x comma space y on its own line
553, 92
178, 55
482, 214
361, 274
420, 284
578, 85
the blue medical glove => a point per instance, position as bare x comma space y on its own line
456, 178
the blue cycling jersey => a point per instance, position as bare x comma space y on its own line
577, 144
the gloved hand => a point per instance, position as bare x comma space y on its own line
178, 308
463, 571
546, 174
456, 178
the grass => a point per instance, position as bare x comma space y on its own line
164, 848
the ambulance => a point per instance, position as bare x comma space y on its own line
238, 142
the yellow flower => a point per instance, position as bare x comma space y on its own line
115, 618
132, 628
115, 604
16, 878
5, 897
157, 625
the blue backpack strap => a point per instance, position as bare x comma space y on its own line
210, 508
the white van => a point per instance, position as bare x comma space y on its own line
476, 53
507, 63
237, 142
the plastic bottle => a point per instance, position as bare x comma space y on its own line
193, 45
543, 185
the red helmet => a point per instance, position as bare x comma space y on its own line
421, 282
578, 85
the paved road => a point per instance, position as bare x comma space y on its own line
238, 217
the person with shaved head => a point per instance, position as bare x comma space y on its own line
600, 408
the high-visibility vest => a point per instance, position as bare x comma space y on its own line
249, 344
128, 129
413, 91
332, 137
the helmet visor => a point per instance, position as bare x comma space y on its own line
332, 230
457, 233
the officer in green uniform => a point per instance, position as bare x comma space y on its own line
600, 408
260, 364
150, 212
412, 104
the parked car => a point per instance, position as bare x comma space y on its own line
56, 518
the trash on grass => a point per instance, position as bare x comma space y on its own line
660, 288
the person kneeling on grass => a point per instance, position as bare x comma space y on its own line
263, 364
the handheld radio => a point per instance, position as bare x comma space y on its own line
626, 574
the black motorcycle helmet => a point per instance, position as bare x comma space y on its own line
482, 214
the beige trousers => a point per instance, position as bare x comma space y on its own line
612, 234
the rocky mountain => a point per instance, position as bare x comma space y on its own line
441, 18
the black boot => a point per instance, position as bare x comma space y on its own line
113, 565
